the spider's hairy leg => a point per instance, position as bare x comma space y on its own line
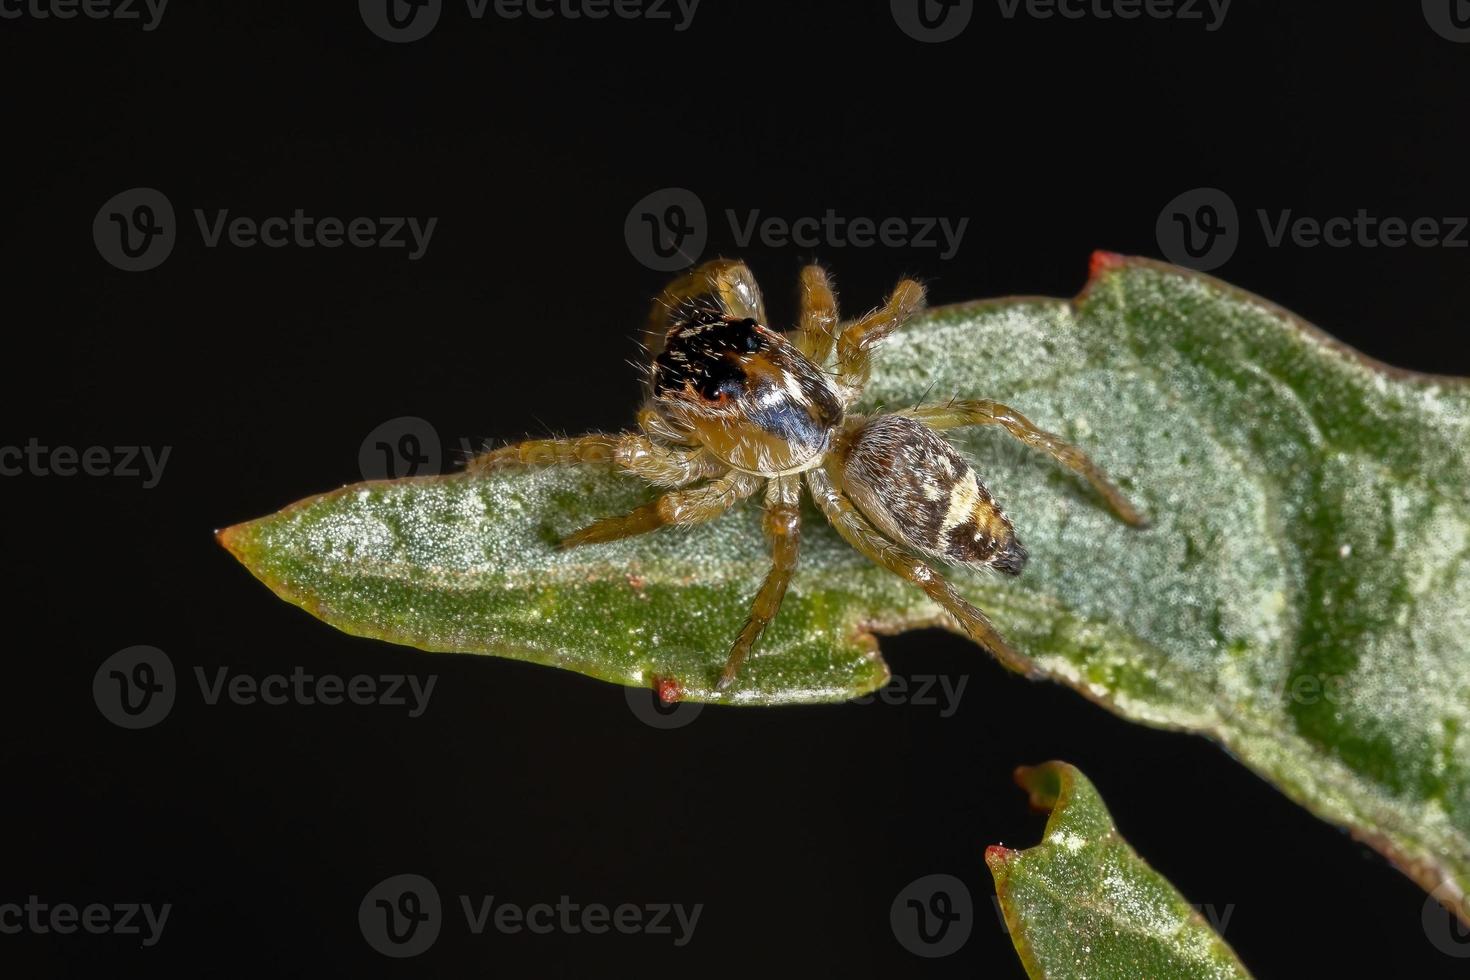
682, 508
783, 527
986, 412
816, 330
599, 447
658, 464
854, 347
871, 544
728, 282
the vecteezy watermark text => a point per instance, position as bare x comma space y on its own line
1202, 228
402, 916
148, 12
1209, 12
833, 230
924, 690
402, 21
300, 687
128, 462
97, 918
935, 21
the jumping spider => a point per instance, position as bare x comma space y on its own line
740, 407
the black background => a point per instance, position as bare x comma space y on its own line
264, 369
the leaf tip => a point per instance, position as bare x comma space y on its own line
1102, 262
229, 538
1044, 784
997, 855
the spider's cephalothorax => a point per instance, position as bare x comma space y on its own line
735, 407
753, 399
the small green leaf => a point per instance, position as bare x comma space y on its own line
1303, 594
1081, 904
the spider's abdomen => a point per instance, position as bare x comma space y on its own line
917, 489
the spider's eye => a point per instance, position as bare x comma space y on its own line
750, 341
714, 388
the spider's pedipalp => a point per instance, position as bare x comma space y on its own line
637, 455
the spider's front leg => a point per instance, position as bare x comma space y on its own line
816, 330
654, 462
986, 412
681, 508
726, 282
783, 526
855, 346
856, 530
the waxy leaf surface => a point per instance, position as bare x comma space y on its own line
1082, 905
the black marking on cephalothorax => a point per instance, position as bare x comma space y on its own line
917, 488
746, 373
697, 353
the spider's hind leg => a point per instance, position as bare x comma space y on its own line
986, 412
856, 530
783, 527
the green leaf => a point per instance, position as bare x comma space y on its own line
1083, 904
1303, 595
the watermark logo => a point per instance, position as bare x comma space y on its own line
932, 21
405, 446
932, 916
924, 690
136, 229
135, 688
64, 918
1450, 19
1445, 929
1199, 229
149, 13
667, 230
400, 21
656, 709
128, 462
401, 916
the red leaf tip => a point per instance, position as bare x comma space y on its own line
1101, 262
